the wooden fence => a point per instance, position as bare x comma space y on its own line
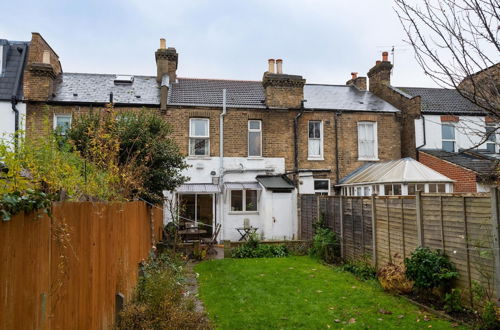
65, 272
464, 226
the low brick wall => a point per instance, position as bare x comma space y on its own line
295, 247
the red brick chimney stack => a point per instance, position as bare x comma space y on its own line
380, 74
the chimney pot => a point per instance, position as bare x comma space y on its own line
385, 56
354, 75
163, 43
271, 65
279, 66
46, 57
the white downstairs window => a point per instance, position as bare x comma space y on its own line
322, 187
199, 137
367, 141
315, 144
62, 123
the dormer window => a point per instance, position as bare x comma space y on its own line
123, 80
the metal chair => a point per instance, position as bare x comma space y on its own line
211, 241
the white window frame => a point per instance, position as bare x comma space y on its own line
320, 156
62, 115
375, 141
494, 135
191, 136
244, 201
254, 130
321, 191
452, 124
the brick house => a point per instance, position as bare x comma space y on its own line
280, 135
448, 124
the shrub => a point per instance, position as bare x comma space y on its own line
430, 269
453, 301
254, 249
489, 317
361, 269
325, 244
392, 277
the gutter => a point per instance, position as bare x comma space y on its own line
425, 141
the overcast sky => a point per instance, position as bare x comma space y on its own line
324, 41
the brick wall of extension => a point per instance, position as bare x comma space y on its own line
465, 179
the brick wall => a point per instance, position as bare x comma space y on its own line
465, 179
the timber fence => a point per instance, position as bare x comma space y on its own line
76, 269
385, 228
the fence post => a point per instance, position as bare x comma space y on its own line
467, 256
495, 218
388, 228
374, 231
341, 213
420, 219
362, 227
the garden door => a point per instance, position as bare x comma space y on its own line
282, 218
198, 209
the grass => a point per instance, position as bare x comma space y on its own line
298, 292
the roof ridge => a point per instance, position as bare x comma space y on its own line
219, 79
108, 74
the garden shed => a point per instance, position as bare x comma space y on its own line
396, 177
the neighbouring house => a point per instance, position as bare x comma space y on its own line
253, 146
12, 108
395, 177
449, 122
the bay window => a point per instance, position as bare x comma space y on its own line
199, 137
367, 141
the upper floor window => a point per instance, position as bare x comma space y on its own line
62, 123
367, 141
448, 136
491, 142
199, 137
254, 138
315, 144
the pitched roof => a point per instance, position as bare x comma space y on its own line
394, 171
442, 101
483, 163
96, 88
13, 64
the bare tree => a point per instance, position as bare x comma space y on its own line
456, 42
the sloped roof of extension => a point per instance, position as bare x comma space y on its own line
442, 101
95, 88
484, 164
404, 170
11, 70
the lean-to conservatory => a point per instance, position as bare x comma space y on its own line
396, 177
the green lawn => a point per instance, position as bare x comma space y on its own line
298, 292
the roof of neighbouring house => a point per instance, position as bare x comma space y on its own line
442, 101
11, 72
95, 88
485, 164
404, 170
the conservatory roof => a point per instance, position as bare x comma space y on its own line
404, 170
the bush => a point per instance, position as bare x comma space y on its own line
325, 244
430, 269
159, 301
489, 317
453, 301
253, 249
361, 269
393, 279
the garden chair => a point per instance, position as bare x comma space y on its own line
211, 241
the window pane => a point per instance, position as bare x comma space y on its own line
421, 187
236, 200
198, 147
63, 123
199, 127
441, 188
254, 124
254, 144
366, 140
449, 146
411, 189
321, 185
314, 147
490, 131
315, 129
448, 131
251, 200
490, 147
366, 191
388, 189
397, 189
432, 187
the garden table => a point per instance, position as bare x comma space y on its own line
245, 232
191, 232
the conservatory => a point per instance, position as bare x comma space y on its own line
396, 177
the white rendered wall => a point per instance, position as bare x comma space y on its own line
7, 117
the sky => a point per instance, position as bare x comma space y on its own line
322, 40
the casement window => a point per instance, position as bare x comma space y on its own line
392, 189
322, 187
367, 141
491, 142
244, 200
437, 187
315, 144
62, 123
199, 137
448, 136
254, 138
414, 187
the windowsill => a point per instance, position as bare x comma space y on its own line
242, 212
199, 157
369, 159
255, 157
315, 158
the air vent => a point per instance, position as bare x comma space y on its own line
121, 79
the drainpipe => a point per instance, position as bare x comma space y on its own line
423, 133
296, 140
14, 99
221, 157
337, 178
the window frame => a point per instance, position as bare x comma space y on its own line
254, 130
192, 137
322, 191
375, 141
454, 140
62, 115
492, 138
321, 135
243, 201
